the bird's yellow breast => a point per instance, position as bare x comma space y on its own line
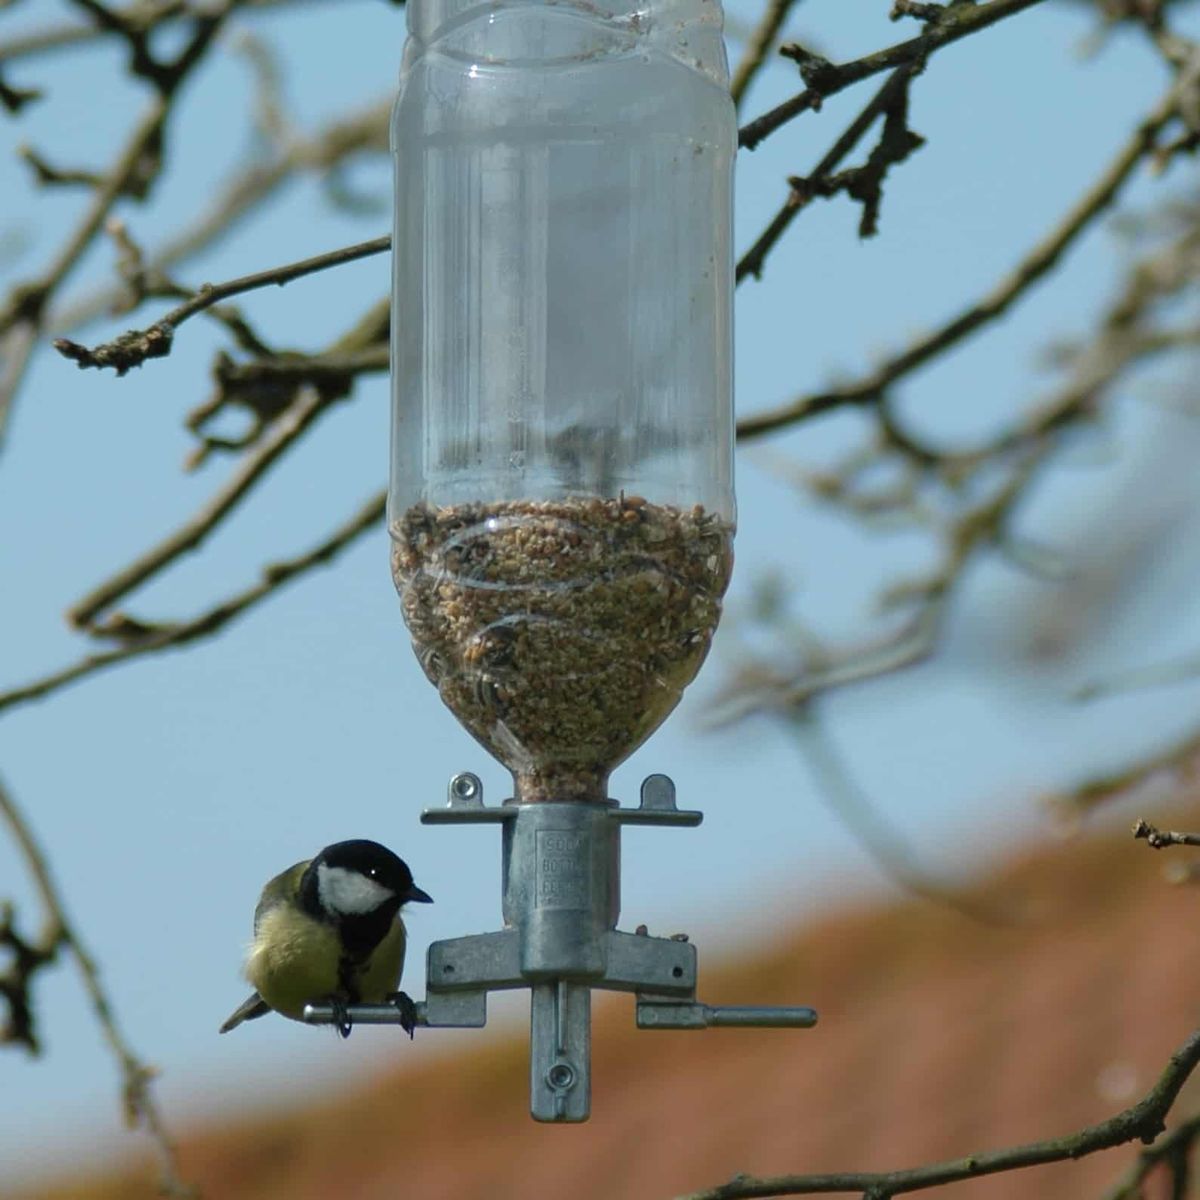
294, 961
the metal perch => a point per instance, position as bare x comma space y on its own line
561, 889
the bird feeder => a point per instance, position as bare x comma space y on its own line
561, 505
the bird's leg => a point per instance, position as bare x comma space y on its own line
341, 1017
407, 1010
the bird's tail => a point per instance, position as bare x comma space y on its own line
250, 1008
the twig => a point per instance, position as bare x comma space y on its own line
13, 99
828, 79
1037, 262
26, 958
141, 160
770, 687
22, 320
142, 14
802, 191
1155, 675
243, 193
881, 840
265, 386
165, 636
1143, 1121
912, 8
133, 348
309, 404
1160, 838
758, 46
1176, 758
51, 176
140, 1106
1171, 1150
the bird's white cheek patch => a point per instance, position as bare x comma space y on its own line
349, 893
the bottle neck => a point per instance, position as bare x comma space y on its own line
690, 31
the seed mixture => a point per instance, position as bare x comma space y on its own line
561, 632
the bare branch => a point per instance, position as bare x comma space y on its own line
824, 79
777, 685
1037, 262
1143, 1121
143, 15
1172, 1150
912, 8
1160, 838
133, 348
1176, 759
1155, 675
897, 142
163, 636
23, 317
26, 958
885, 843
758, 46
140, 161
243, 193
140, 1107
286, 429
50, 176
13, 99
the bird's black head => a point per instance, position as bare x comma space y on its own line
356, 879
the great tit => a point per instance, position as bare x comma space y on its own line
328, 930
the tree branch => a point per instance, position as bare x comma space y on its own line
133, 348
886, 844
244, 191
1143, 1121
1037, 262
1170, 1150
142, 15
891, 99
1160, 838
142, 638
1176, 758
1152, 676
758, 46
824, 79
140, 1106
284, 431
141, 159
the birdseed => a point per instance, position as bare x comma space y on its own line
561, 632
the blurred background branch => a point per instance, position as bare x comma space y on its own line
59, 934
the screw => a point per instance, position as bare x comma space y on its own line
561, 1076
464, 786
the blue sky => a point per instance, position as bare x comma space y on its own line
170, 789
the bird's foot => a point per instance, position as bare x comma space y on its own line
341, 1016
407, 1010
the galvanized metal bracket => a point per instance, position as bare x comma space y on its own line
561, 901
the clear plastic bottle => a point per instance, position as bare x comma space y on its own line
562, 498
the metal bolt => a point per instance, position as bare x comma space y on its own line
464, 786
561, 1076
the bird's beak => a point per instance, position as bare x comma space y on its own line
415, 893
